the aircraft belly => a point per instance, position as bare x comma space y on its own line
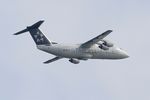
72, 53
69, 52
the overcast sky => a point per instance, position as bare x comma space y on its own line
23, 76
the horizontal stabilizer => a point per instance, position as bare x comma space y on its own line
34, 26
20, 32
38, 37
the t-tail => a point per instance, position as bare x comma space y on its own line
38, 37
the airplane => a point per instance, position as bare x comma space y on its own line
96, 48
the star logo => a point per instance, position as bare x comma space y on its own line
39, 37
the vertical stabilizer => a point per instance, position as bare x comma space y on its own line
38, 37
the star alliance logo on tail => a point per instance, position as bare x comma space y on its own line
39, 37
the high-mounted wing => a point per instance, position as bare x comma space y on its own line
96, 39
52, 60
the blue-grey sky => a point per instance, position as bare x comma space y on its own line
23, 76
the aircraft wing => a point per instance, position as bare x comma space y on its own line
52, 60
96, 39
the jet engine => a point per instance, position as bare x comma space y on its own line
107, 43
74, 61
102, 46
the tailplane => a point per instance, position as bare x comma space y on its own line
38, 37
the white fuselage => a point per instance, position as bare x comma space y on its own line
96, 48
75, 51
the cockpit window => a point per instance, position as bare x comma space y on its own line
121, 49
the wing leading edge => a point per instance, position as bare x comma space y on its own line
96, 39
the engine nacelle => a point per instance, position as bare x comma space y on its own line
74, 61
108, 43
102, 46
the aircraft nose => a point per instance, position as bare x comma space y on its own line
122, 54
